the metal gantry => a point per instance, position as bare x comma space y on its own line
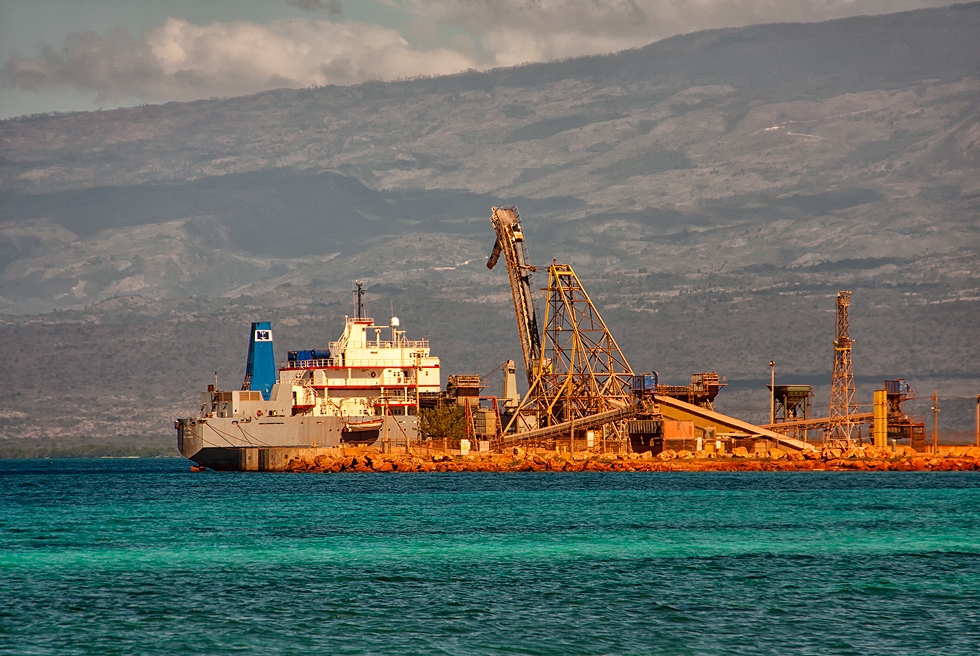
582, 371
578, 378
843, 397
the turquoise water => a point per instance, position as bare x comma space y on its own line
144, 557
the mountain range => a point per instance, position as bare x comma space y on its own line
714, 191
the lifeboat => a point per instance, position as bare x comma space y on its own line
362, 432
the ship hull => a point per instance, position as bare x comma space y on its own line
225, 444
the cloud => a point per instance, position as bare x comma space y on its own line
88, 61
517, 31
332, 7
182, 61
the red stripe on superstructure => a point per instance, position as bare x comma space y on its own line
435, 366
362, 387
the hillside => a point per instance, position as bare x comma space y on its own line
715, 190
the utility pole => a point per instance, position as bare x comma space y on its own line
935, 421
772, 390
978, 419
385, 440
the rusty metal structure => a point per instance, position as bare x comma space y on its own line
900, 425
483, 420
510, 243
581, 387
577, 375
792, 406
843, 397
701, 392
582, 371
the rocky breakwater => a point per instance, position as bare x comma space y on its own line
520, 460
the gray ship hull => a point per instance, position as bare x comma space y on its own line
268, 444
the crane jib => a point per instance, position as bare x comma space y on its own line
510, 243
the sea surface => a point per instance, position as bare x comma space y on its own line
144, 557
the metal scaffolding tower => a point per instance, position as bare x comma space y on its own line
843, 398
578, 379
582, 371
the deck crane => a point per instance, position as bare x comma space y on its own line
510, 243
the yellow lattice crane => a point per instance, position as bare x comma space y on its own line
577, 375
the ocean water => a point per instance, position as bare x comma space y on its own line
145, 557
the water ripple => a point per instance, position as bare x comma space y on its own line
122, 557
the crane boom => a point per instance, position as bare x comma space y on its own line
510, 243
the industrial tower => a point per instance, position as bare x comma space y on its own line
843, 398
577, 376
582, 370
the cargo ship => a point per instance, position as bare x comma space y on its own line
363, 390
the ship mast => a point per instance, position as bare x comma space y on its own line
358, 299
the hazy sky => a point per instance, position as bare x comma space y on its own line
60, 55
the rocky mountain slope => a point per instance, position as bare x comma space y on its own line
715, 190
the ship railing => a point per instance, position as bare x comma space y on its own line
370, 363
374, 363
339, 347
365, 383
309, 364
404, 395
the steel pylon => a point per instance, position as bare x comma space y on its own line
843, 398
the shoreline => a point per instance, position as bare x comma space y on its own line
521, 460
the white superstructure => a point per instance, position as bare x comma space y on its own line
371, 370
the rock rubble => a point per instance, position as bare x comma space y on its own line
521, 460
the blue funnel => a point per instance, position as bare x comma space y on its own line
260, 369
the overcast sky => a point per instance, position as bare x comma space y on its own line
61, 55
